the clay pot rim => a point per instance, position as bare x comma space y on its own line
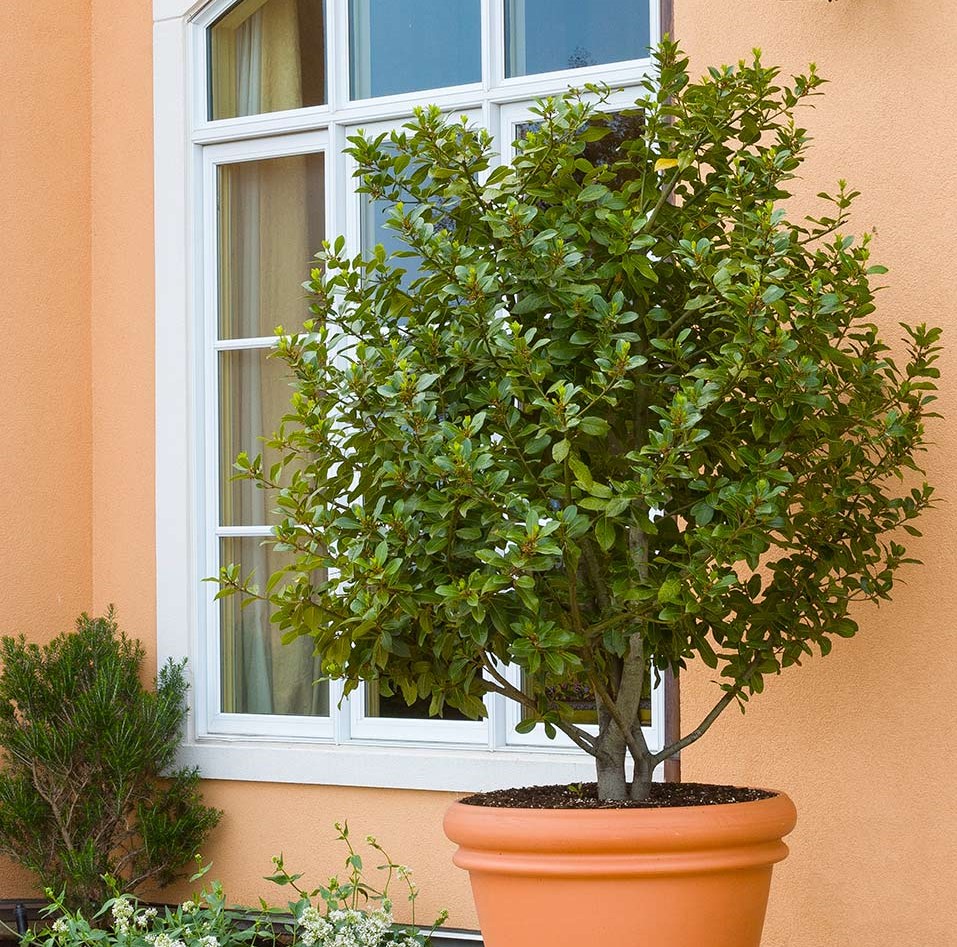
673, 828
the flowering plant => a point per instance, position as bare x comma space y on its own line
124, 922
357, 914
343, 913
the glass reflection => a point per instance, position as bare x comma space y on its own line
552, 35
400, 46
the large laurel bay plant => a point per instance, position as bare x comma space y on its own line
614, 410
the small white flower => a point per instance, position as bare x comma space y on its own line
209, 941
121, 908
164, 940
60, 926
188, 906
122, 911
144, 917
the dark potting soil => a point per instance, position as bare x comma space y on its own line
585, 796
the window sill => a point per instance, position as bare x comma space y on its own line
440, 769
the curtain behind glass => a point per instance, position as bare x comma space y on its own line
270, 223
267, 56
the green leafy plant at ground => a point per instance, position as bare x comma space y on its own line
86, 789
351, 912
356, 913
628, 414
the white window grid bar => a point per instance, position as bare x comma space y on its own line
499, 104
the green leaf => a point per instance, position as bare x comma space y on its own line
560, 450
605, 533
597, 427
669, 590
592, 192
845, 627
582, 473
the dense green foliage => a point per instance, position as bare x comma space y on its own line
84, 747
628, 413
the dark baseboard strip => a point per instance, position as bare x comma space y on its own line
454, 937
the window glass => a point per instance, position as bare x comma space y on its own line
406, 45
581, 699
254, 395
271, 222
395, 707
549, 35
374, 229
259, 674
267, 56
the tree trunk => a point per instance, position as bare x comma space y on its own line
610, 757
641, 784
610, 760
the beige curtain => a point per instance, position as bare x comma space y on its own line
264, 248
256, 59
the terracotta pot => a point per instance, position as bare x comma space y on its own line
680, 877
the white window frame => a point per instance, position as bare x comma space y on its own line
348, 748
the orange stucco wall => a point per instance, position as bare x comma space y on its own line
122, 306
45, 417
861, 741
45, 539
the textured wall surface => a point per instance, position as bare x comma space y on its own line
45, 471
122, 309
44, 314
861, 741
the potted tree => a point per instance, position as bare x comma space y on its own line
622, 413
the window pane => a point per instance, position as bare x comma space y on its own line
580, 698
254, 394
260, 675
395, 707
407, 45
375, 213
271, 222
266, 56
373, 229
548, 35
